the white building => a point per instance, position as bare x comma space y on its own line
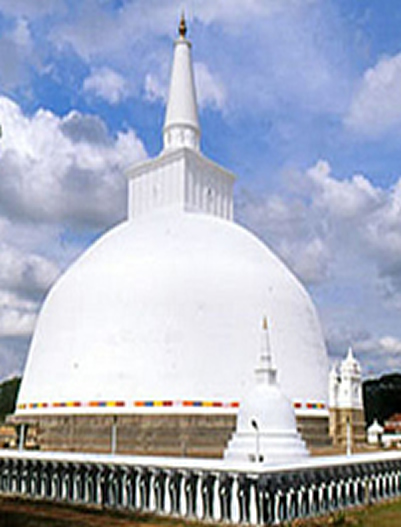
345, 400
345, 385
156, 326
375, 433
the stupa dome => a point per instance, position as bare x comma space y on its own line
167, 308
161, 313
273, 409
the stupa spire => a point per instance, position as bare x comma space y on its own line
265, 370
350, 354
182, 28
181, 126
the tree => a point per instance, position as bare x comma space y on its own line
8, 396
382, 397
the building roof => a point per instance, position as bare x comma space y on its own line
393, 423
395, 418
350, 365
375, 428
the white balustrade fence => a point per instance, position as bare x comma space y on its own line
209, 490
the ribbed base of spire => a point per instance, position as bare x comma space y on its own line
272, 447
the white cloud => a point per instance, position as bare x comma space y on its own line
368, 216
273, 50
118, 29
312, 259
30, 9
16, 54
210, 89
106, 84
376, 106
348, 198
240, 11
382, 354
66, 169
278, 57
14, 323
155, 88
59, 176
24, 279
17, 315
22, 34
30, 275
343, 237
391, 345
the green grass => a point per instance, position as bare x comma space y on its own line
387, 514
16, 512
383, 515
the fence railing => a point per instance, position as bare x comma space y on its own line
203, 489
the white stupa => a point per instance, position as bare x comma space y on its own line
266, 425
158, 316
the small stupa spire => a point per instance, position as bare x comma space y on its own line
181, 126
265, 370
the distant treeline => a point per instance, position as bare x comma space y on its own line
8, 396
382, 397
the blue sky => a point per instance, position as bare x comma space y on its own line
300, 98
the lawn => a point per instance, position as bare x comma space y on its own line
387, 514
16, 512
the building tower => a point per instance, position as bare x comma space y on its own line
345, 402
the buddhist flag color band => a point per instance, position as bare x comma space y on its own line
153, 404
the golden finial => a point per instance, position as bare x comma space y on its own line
265, 323
182, 28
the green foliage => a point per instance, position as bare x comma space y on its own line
338, 518
8, 396
382, 397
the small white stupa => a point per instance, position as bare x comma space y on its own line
266, 425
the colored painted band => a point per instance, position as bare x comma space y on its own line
152, 404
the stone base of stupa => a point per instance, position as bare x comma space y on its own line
176, 435
271, 447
